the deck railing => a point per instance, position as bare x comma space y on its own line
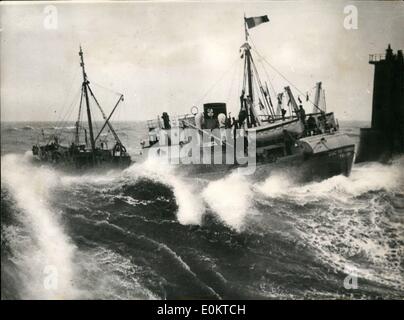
175, 121
377, 57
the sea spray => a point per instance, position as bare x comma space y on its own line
230, 198
364, 178
46, 258
190, 206
275, 185
354, 224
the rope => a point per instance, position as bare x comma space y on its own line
265, 71
277, 71
260, 90
108, 89
70, 91
63, 118
217, 82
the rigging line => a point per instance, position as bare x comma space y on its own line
82, 127
245, 75
109, 89
98, 105
277, 71
78, 117
69, 93
267, 109
109, 117
62, 118
59, 130
265, 71
65, 111
261, 90
104, 116
265, 60
64, 123
266, 99
217, 82
70, 110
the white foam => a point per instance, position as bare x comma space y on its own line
364, 178
49, 249
110, 275
275, 185
190, 206
231, 198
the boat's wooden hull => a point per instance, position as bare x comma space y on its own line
64, 159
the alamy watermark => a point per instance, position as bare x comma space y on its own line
351, 18
50, 21
51, 277
351, 280
216, 147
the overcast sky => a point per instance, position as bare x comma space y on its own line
166, 56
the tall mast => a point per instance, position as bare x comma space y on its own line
250, 83
245, 29
249, 76
77, 139
85, 84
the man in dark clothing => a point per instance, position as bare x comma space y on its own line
283, 114
166, 120
242, 116
311, 125
228, 121
302, 114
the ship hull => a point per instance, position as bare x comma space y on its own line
317, 167
63, 158
316, 158
300, 168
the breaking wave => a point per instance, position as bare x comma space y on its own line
346, 223
190, 207
45, 253
49, 264
353, 223
230, 198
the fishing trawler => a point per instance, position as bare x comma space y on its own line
85, 152
309, 146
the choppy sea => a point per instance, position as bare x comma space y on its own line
148, 233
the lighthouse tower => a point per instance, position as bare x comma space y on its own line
385, 138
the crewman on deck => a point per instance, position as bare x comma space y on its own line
311, 126
166, 120
302, 114
228, 121
283, 114
242, 116
71, 149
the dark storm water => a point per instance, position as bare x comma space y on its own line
146, 233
